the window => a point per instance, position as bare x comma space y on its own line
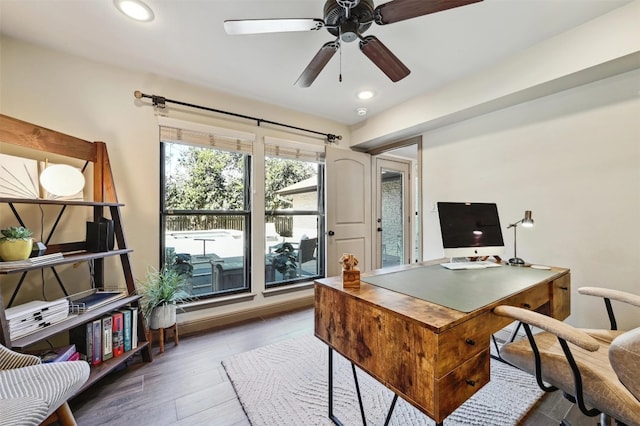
294, 213
205, 212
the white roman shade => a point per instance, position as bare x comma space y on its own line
179, 131
293, 150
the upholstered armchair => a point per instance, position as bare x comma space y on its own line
32, 393
598, 372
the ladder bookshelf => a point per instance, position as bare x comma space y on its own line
24, 134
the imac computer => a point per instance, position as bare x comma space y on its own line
470, 230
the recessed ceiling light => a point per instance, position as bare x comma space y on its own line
365, 94
361, 111
135, 9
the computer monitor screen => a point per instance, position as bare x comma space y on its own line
470, 229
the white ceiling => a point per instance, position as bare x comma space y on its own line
186, 41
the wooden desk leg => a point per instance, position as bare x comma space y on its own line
175, 334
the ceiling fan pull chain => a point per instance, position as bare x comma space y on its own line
340, 77
340, 52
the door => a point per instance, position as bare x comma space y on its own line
393, 212
348, 179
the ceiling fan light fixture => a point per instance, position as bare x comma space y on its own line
364, 95
135, 9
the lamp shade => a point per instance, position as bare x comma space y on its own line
62, 180
527, 222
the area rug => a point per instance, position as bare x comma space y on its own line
286, 384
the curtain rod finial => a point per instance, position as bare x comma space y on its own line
333, 138
137, 94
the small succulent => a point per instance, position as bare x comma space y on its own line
15, 233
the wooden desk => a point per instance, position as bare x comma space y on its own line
432, 356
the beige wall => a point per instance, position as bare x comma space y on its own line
573, 158
95, 102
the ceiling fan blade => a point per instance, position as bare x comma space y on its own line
384, 58
399, 10
317, 64
258, 26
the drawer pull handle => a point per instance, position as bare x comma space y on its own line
471, 382
564, 288
470, 342
526, 305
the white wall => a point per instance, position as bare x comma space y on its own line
95, 102
604, 46
573, 158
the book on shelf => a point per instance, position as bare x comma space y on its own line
82, 337
88, 340
33, 316
32, 261
134, 327
61, 354
126, 322
107, 337
117, 333
34, 309
92, 299
96, 347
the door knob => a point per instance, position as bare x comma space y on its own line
331, 233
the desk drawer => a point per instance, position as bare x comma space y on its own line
456, 387
531, 299
461, 343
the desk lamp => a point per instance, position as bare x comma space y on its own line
527, 222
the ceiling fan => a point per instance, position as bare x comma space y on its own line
348, 20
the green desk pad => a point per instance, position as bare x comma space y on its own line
464, 290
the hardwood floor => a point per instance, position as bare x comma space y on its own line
186, 385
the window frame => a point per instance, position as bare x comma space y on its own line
246, 213
320, 214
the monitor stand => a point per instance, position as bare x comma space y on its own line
497, 258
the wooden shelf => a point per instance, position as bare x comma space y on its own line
68, 258
43, 201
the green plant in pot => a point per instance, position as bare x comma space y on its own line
15, 244
161, 292
285, 260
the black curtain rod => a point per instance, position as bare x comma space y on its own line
160, 102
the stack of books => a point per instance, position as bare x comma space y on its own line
107, 337
32, 261
35, 315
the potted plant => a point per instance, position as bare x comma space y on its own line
161, 291
285, 260
16, 243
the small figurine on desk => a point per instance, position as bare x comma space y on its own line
350, 272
